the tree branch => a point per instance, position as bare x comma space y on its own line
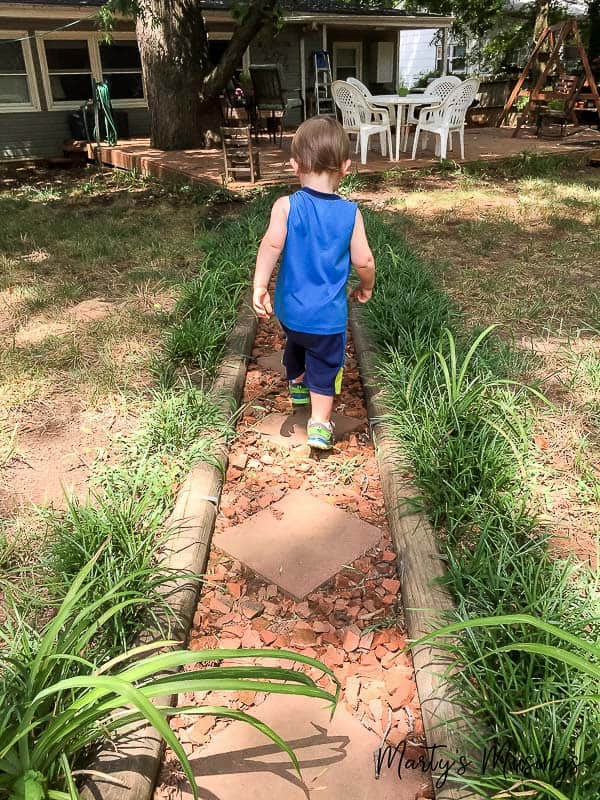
259, 13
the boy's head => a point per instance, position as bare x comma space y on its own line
321, 145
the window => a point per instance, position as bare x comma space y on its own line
347, 60
17, 81
69, 70
70, 63
457, 58
122, 69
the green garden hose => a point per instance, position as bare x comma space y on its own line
104, 112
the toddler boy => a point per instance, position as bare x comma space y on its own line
318, 235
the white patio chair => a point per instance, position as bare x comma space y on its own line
361, 118
391, 108
446, 118
440, 87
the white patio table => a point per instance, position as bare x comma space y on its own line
403, 103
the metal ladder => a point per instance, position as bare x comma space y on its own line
324, 105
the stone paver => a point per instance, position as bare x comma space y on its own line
299, 542
290, 429
336, 759
272, 361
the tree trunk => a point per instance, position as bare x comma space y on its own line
594, 45
542, 12
174, 51
182, 86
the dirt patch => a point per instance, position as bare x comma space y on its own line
92, 310
54, 452
35, 332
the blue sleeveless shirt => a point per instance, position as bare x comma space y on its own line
310, 293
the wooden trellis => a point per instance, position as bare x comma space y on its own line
556, 36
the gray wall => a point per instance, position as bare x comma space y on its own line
41, 134
282, 49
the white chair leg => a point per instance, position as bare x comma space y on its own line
443, 144
357, 141
389, 142
461, 134
364, 144
450, 147
438, 143
425, 141
382, 146
416, 142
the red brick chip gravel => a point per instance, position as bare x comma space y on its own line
302, 560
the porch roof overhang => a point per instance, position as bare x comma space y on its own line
395, 22
66, 10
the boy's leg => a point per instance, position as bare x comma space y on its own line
294, 360
324, 369
293, 357
325, 356
322, 406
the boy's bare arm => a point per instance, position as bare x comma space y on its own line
268, 254
362, 261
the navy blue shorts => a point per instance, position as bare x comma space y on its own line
320, 356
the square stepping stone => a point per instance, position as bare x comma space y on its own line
335, 756
272, 361
298, 542
289, 430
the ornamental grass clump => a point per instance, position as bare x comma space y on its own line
526, 627
208, 305
58, 701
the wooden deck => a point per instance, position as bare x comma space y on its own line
192, 166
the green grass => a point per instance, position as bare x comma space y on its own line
178, 424
99, 571
86, 236
464, 430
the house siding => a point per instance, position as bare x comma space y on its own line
284, 49
417, 54
42, 134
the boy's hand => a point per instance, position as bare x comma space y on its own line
362, 295
261, 302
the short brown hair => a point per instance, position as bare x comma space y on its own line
320, 145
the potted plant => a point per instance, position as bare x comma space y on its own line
402, 88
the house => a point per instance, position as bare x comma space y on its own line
50, 51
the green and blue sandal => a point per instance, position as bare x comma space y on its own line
320, 434
299, 393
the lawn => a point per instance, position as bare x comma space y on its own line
90, 267
115, 290
509, 480
518, 244
118, 299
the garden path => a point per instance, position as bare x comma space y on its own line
302, 559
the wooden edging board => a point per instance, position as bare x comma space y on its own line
419, 564
128, 768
